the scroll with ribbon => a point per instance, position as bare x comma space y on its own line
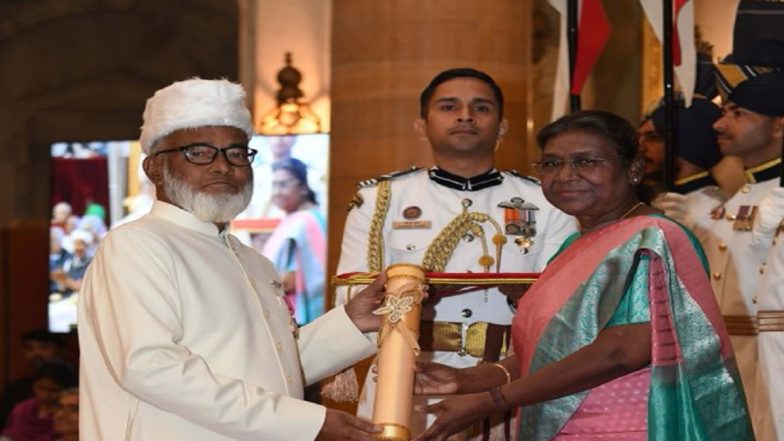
398, 349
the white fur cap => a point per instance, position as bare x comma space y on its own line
194, 103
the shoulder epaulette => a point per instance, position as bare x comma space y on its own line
517, 174
389, 176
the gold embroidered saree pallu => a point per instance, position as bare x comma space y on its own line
693, 391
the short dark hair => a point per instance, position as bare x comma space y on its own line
44, 336
608, 125
459, 72
60, 373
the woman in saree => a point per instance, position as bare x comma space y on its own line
297, 247
621, 337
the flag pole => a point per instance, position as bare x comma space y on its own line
571, 21
670, 129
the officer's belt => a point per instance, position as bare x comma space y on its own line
741, 324
770, 321
487, 341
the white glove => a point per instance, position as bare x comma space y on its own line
675, 206
770, 212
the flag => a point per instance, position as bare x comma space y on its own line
684, 52
593, 31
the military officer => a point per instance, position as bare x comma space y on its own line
460, 216
751, 83
695, 192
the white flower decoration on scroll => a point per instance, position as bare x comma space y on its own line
397, 305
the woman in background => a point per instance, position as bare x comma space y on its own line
297, 247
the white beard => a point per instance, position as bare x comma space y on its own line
220, 208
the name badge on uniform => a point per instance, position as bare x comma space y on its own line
411, 225
744, 218
520, 221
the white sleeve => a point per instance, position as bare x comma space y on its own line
330, 343
354, 248
131, 306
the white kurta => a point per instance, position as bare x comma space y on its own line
735, 276
439, 205
184, 335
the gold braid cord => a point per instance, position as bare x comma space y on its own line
440, 250
375, 253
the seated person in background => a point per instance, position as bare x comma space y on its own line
66, 416
57, 257
297, 247
38, 346
31, 419
621, 336
60, 214
69, 277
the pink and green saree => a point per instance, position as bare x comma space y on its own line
644, 269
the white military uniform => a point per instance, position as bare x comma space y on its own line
769, 392
185, 335
736, 271
419, 209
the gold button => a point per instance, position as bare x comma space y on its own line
745, 189
717, 275
278, 346
266, 314
288, 379
722, 246
730, 217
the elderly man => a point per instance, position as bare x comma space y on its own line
184, 332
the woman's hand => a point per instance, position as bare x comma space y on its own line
455, 415
436, 379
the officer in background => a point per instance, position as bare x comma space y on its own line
751, 83
696, 191
461, 216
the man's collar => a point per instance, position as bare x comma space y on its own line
764, 172
694, 182
490, 178
182, 217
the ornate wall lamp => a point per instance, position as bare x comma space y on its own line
291, 116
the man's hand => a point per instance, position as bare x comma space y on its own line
341, 426
674, 206
360, 308
436, 379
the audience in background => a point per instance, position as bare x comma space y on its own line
32, 419
38, 346
66, 416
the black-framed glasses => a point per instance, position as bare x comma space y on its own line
579, 164
200, 153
